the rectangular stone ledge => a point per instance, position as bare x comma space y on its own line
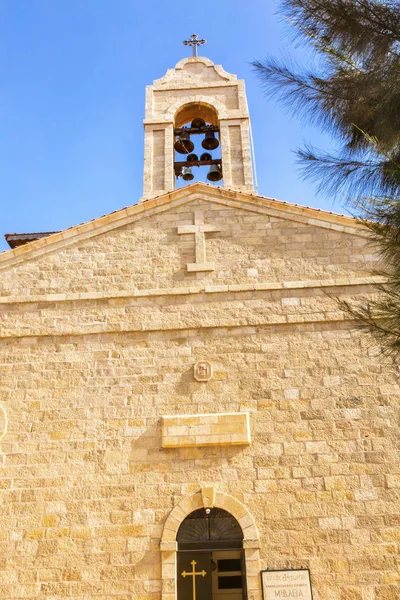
197, 267
208, 289
221, 429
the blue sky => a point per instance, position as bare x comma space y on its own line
73, 77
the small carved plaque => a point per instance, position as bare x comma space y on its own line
203, 370
287, 584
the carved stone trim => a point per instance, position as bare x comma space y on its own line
208, 495
189, 504
187, 291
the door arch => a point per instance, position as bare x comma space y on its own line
209, 498
210, 561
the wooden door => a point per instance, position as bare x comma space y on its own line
194, 575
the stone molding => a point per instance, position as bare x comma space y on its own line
170, 114
188, 291
189, 504
169, 75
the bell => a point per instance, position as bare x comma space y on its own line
210, 142
192, 158
187, 174
206, 156
198, 123
215, 173
183, 144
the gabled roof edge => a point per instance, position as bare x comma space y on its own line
315, 217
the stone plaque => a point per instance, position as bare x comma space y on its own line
290, 584
203, 370
219, 429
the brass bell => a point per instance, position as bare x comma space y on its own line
183, 144
192, 158
210, 142
197, 123
215, 173
187, 174
206, 156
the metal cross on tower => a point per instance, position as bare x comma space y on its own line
194, 42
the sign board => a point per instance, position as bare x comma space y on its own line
289, 584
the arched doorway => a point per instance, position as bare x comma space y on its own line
210, 563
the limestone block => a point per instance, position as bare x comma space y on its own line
208, 495
205, 430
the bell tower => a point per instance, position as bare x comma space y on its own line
196, 104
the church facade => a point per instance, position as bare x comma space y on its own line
185, 413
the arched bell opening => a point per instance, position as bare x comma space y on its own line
186, 113
197, 149
211, 561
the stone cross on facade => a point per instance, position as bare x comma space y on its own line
199, 229
194, 42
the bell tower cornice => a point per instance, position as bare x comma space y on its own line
172, 73
196, 88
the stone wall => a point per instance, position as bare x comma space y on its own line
86, 486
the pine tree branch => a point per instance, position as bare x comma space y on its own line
351, 23
372, 317
337, 175
356, 94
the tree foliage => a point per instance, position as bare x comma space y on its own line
354, 93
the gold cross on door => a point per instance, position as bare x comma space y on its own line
193, 574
